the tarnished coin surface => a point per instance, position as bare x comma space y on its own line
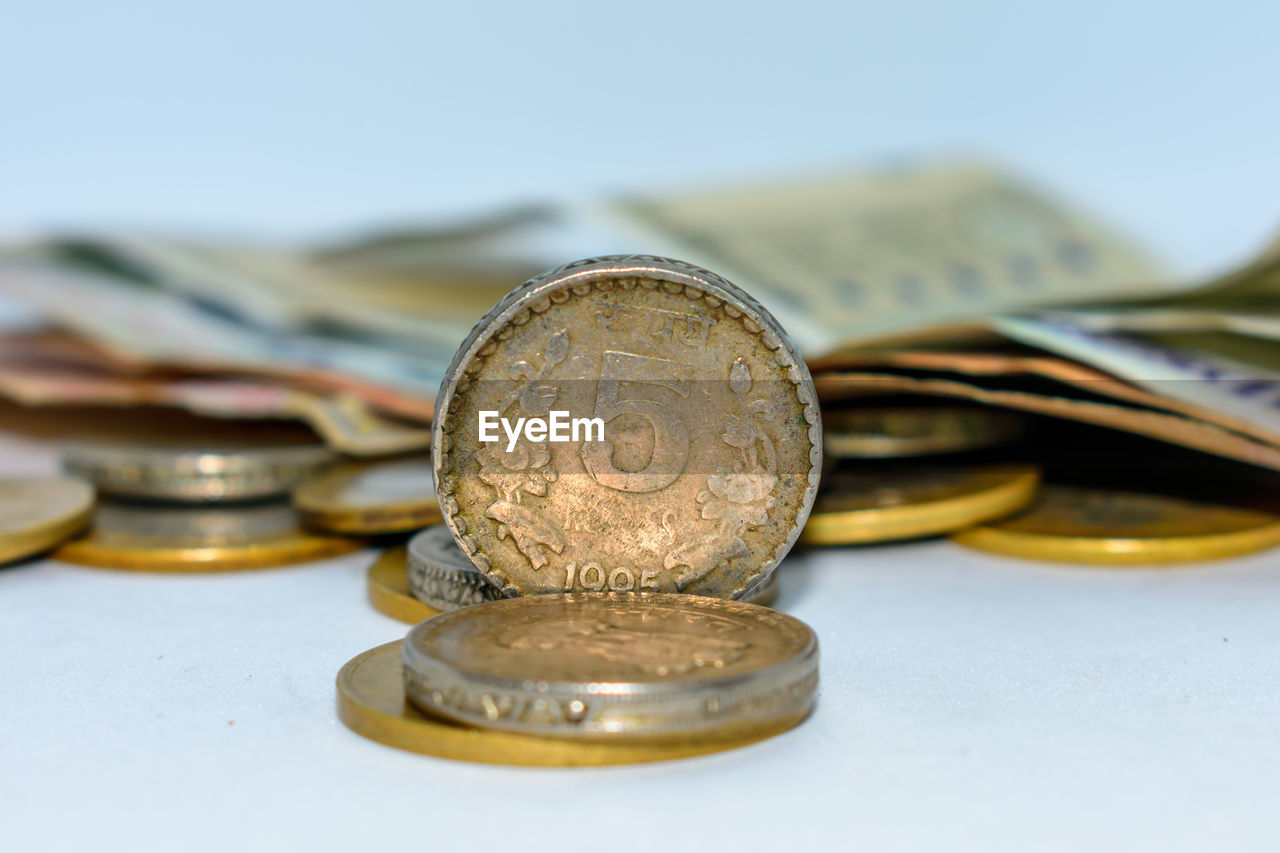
880, 433
194, 474
619, 666
441, 575
699, 449
390, 496
857, 507
1071, 524
371, 702
37, 513
198, 539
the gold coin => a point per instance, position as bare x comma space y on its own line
857, 507
157, 538
614, 666
389, 592
37, 513
693, 446
895, 432
392, 496
196, 474
371, 702
1081, 525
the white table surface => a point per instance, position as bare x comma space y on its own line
968, 702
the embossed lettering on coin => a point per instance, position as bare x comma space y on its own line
711, 450
614, 664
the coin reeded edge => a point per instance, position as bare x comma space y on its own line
534, 297
714, 704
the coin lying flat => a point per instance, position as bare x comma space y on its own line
857, 507
881, 433
1081, 525
388, 587
37, 513
194, 474
198, 539
371, 702
441, 575
392, 496
616, 666
700, 445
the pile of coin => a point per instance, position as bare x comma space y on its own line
173, 507
580, 593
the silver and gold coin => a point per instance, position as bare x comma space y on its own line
390, 496
692, 448
441, 575
371, 702
1071, 524
194, 474
858, 507
882, 433
144, 537
36, 513
614, 666
387, 583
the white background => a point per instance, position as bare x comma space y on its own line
298, 117
969, 702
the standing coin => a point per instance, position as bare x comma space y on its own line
37, 513
617, 666
646, 426
441, 575
388, 587
194, 474
764, 592
198, 539
1080, 525
392, 496
858, 507
371, 702
889, 433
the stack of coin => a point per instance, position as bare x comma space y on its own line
578, 590
212, 474
196, 508
585, 678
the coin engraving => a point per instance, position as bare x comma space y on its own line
612, 665
712, 445
440, 574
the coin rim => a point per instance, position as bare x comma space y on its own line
170, 473
321, 511
413, 731
49, 532
534, 297
387, 583
890, 524
418, 564
794, 670
1120, 550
